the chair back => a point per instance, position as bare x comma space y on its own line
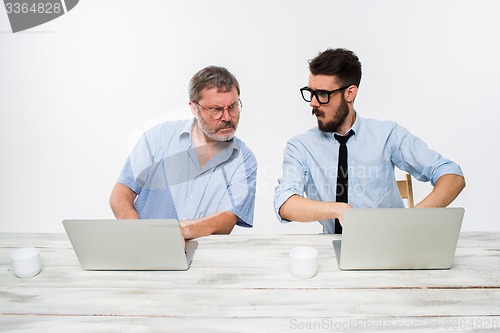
406, 190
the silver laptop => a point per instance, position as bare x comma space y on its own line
399, 238
130, 244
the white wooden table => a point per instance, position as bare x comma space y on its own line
241, 283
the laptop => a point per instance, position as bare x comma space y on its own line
399, 238
154, 244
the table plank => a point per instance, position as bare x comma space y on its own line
241, 303
76, 324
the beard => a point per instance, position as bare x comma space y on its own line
338, 119
212, 134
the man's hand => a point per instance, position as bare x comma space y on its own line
218, 223
342, 209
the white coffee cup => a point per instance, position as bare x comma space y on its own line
303, 262
26, 262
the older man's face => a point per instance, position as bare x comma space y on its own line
211, 101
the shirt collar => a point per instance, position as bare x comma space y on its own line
355, 127
187, 129
357, 123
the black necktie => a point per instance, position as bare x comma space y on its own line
342, 179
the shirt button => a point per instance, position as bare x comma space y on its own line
358, 189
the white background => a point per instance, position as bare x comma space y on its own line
76, 92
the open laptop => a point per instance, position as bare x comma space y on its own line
399, 238
155, 244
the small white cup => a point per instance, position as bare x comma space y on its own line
26, 262
303, 262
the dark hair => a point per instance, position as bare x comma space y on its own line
342, 63
212, 77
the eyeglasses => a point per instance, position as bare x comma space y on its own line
322, 96
217, 112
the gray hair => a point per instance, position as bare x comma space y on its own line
212, 77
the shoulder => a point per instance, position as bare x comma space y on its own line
169, 129
369, 127
175, 126
311, 136
162, 135
243, 149
377, 125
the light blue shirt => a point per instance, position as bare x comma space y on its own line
311, 160
163, 169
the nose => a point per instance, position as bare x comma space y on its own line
314, 102
225, 115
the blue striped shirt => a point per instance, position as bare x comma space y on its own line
311, 160
163, 169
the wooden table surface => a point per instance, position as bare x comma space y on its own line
241, 283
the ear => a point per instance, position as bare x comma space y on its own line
194, 108
351, 93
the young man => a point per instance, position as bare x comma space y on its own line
360, 172
193, 170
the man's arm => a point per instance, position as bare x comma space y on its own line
122, 202
236, 205
218, 223
301, 209
447, 188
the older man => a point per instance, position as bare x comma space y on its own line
193, 170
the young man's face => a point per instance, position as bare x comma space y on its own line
330, 116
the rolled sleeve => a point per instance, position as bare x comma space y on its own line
446, 168
294, 177
241, 192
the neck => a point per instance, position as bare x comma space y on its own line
199, 138
348, 122
205, 148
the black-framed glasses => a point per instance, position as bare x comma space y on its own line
217, 112
322, 96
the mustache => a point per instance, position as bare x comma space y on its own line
317, 112
228, 124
